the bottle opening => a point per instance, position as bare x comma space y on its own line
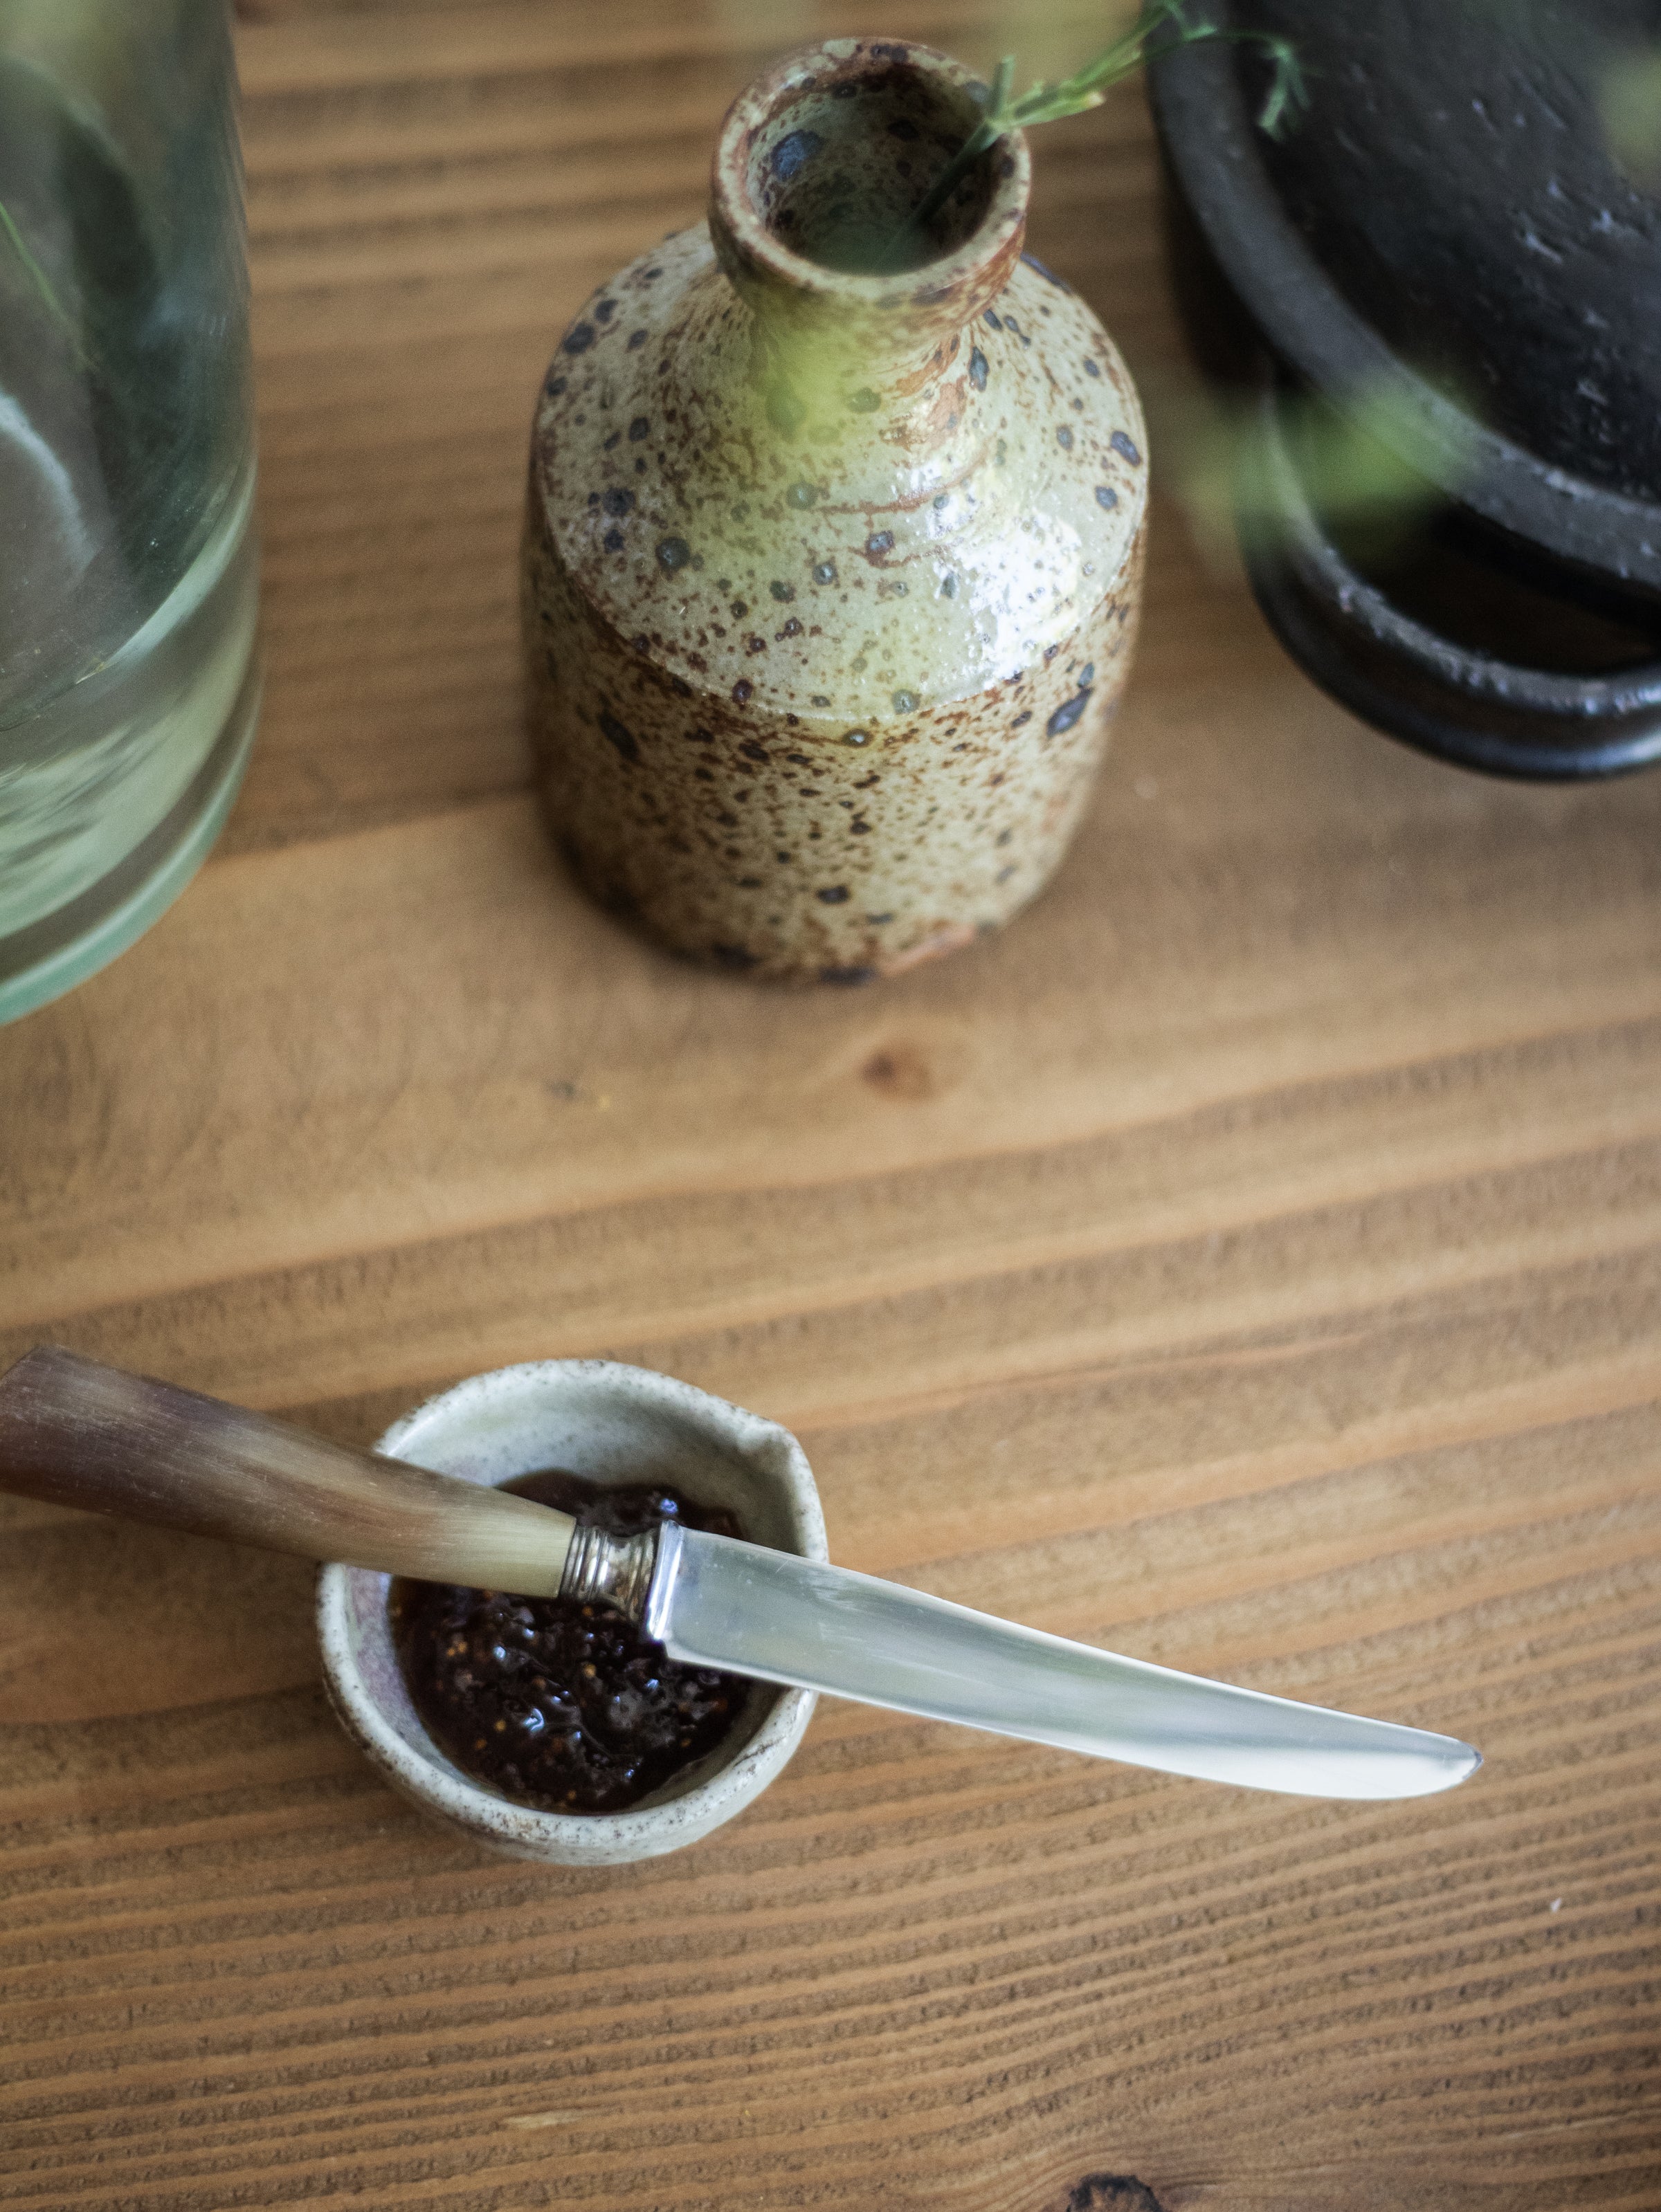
841, 165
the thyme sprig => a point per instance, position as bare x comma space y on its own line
1160, 29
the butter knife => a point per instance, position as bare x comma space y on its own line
82, 1434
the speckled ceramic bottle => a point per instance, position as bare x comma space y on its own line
831, 578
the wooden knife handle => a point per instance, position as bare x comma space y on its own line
77, 1433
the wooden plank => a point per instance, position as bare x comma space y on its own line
1252, 1259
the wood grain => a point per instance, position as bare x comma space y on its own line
1252, 1259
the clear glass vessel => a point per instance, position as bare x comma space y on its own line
129, 681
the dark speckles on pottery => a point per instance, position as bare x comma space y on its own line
619, 735
910, 520
793, 152
1048, 275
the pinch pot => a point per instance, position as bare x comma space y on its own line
612, 1424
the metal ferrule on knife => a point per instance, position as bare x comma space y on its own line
615, 1571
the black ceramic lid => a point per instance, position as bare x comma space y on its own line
1448, 223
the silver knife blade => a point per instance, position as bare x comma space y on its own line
715, 1601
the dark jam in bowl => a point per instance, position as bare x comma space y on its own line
565, 1707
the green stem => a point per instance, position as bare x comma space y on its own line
42, 284
979, 141
1047, 103
985, 134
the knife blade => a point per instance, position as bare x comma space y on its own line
715, 1601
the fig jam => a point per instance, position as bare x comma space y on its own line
565, 1707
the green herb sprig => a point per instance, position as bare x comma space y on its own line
1160, 29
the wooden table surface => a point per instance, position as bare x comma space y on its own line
1250, 1260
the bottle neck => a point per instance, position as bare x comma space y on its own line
853, 307
810, 386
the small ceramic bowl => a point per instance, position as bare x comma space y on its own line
612, 1424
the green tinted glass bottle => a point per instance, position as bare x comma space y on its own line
129, 683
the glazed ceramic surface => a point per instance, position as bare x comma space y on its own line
614, 1424
1452, 251
831, 577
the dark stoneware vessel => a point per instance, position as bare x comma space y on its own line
1448, 241
832, 574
